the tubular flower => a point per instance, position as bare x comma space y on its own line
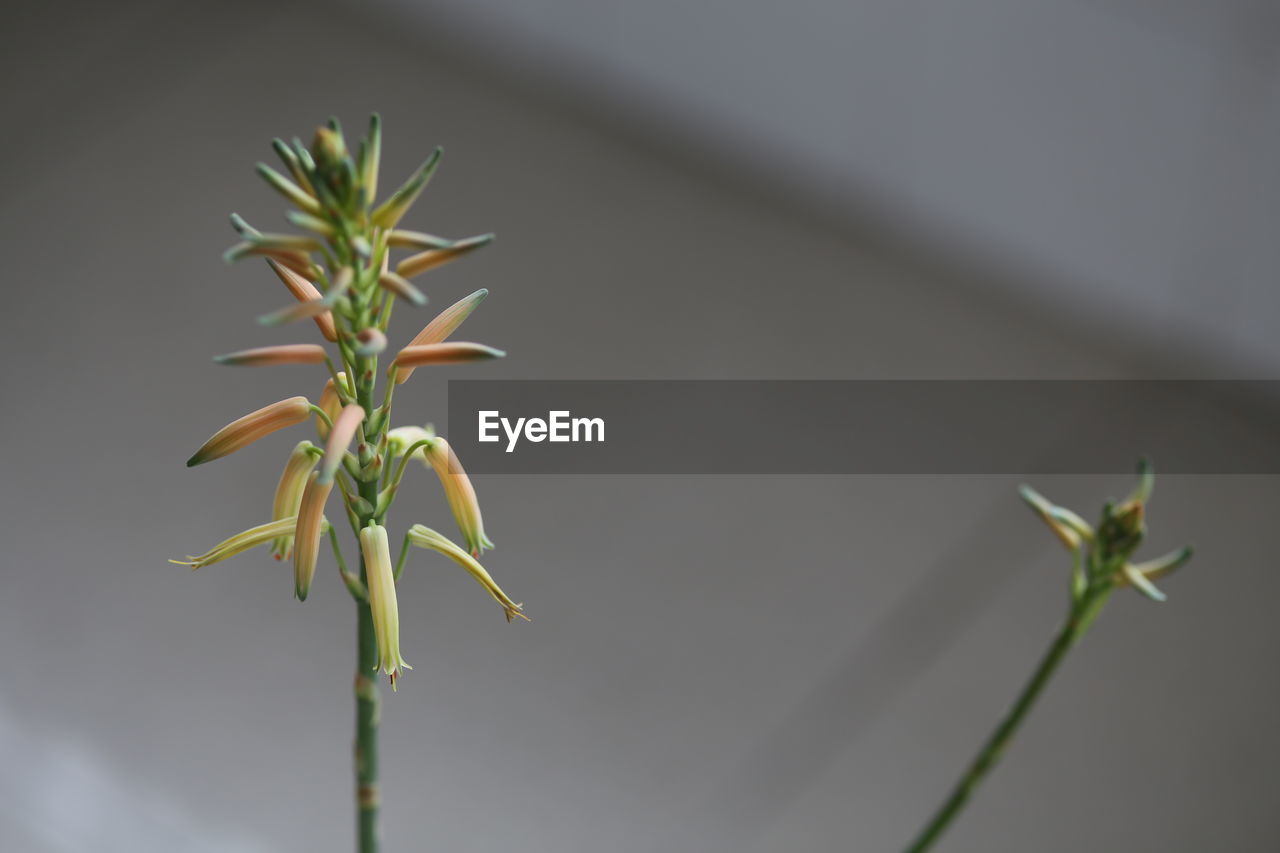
252, 427
241, 542
425, 537
445, 353
444, 325
289, 494
306, 546
380, 578
330, 403
304, 291
400, 439
344, 429
460, 494
284, 354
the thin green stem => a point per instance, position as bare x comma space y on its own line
368, 798
993, 749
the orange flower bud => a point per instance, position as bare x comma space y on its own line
252, 427
283, 354
304, 291
306, 548
456, 352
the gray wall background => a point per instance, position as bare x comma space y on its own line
739, 663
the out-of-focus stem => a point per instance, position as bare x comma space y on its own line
996, 744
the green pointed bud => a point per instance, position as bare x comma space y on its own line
390, 211
244, 229
288, 189
311, 223
372, 159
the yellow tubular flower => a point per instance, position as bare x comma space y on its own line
460, 494
306, 546
241, 542
380, 578
289, 493
425, 537
252, 427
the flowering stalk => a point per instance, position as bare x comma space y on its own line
343, 278
1100, 565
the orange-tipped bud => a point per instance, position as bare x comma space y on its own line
304, 291
459, 493
455, 352
284, 354
306, 546
444, 325
252, 427
425, 537
432, 258
289, 493
330, 403
344, 429
381, 583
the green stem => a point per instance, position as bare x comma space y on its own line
368, 797
999, 740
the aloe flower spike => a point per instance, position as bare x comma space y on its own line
253, 426
380, 581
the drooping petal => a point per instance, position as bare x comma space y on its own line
425, 537
252, 427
